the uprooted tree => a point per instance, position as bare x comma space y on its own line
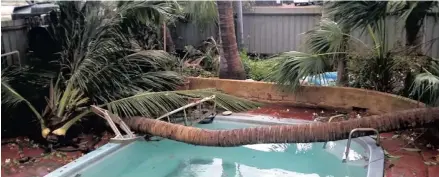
302, 133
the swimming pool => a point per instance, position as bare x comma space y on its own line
168, 158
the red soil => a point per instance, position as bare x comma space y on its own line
40, 163
420, 161
284, 111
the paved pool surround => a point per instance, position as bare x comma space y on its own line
309, 96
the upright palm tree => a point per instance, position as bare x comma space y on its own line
360, 14
364, 14
232, 68
204, 13
328, 42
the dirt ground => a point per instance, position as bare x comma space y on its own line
23, 158
284, 111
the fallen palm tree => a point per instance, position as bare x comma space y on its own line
301, 133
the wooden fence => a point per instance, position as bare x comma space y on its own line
14, 42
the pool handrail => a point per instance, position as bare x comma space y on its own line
330, 119
350, 138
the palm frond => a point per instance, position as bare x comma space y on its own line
294, 66
357, 14
152, 104
426, 84
413, 15
360, 14
150, 12
9, 96
128, 75
143, 20
159, 80
202, 13
12, 98
328, 37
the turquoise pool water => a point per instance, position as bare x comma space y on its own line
167, 158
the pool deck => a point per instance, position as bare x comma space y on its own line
410, 163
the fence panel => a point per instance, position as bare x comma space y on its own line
190, 34
431, 37
271, 33
14, 40
274, 30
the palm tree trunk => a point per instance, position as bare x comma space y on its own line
302, 133
414, 24
222, 61
170, 46
414, 33
342, 72
235, 69
342, 75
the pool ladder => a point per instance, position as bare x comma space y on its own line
332, 118
358, 130
350, 136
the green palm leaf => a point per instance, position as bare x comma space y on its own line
9, 96
202, 13
326, 38
12, 98
150, 12
427, 83
159, 80
294, 66
357, 14
152, 104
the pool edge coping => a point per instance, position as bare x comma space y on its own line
81, 163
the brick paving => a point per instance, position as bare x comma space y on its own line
410, 163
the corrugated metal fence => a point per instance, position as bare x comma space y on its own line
274, 30
265, 31
271, 33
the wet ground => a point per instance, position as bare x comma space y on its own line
284, 111
23, 158
410, 154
